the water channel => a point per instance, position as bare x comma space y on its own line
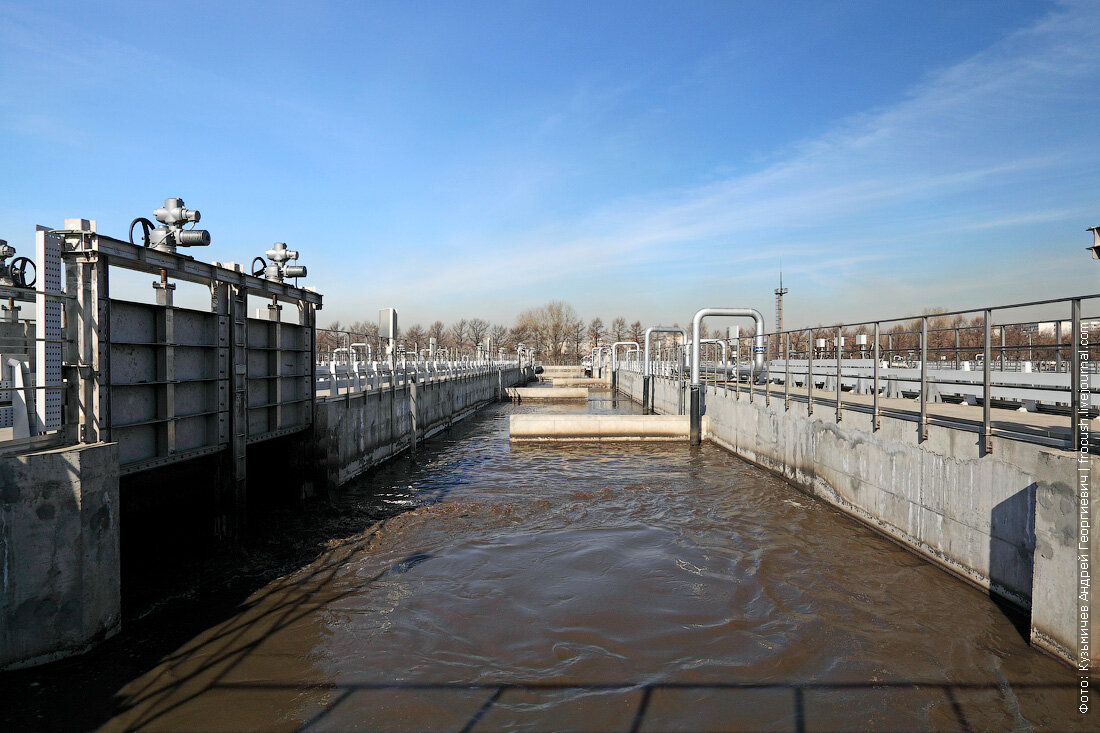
486, 586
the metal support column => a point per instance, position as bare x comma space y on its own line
695, 421
166, 366
88, 322
232, 518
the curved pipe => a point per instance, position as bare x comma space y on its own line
697, 322
723, 344
659, 329
615, 351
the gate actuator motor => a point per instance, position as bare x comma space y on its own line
171, 234
15, 273
279, 267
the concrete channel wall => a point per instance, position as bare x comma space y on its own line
59, 553
1006, 521
355, 432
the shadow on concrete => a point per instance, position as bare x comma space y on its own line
1012, 557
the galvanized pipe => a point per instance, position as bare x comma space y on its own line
695, 419
615, 351
697, 321
646, 369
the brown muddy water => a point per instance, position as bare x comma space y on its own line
485, 586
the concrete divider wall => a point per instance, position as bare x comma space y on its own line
667, 394
59, 553
1006, 521
358, 431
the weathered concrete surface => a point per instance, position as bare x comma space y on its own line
577, 382
548, 393
59, 556
666, 395
597, 427
356, 432
1004, 521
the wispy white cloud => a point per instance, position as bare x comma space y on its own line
1001, 141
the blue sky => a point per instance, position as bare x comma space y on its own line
636, 159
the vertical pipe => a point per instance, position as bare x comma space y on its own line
810, 373
987, 392
1075, 375
924, 378
876, 415
839, 376
956, 347
1001, 364
1058, 347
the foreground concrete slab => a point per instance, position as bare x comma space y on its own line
597, 427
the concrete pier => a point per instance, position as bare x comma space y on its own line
519, 394
59, 553
597, 427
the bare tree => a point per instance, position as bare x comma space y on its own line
577, 332
595, 332
436, 331
637, 332
499, 335
457, 335
618, 328
548, 327
415, 337
478, 329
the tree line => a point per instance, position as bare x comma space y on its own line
555, 330
559, 335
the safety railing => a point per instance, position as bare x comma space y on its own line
1038, 357
354, 363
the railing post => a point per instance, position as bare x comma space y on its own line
924, 378
752, 374
839, 352
1075, 376
787, 372
810, 373
876, 414
767, 364
987, 435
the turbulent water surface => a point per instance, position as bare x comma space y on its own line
602, 587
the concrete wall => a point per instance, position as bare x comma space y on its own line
1004, 521
356, 432
666, 395
59, 556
